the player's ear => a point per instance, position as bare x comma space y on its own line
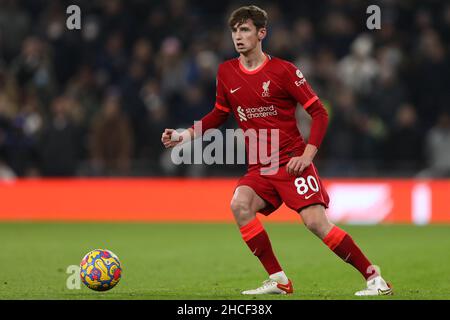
262, 33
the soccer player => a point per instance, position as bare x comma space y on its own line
262, 92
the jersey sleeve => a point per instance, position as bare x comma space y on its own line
319, 123
221, 100
298, 87
219, 114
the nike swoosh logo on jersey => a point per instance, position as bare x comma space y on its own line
234, 90
309, 196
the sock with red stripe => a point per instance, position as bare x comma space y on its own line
343, 246
258, 241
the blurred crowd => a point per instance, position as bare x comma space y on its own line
93, 102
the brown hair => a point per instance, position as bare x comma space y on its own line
254, 13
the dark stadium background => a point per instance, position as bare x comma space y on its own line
81, 117
151, 65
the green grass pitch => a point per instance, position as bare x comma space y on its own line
210, 261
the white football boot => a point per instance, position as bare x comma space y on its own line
376, 287
272, 287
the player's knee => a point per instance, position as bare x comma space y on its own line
240, 207
242, 212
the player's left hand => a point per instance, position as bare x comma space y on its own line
296, 165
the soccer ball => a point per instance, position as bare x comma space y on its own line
100, 270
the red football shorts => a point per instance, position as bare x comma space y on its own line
297, 192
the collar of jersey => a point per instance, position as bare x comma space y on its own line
257, 69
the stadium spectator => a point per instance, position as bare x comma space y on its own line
33, 68
359, 69
111, 139
157, 120
438, 148
345, 133
405, 144
14, 27
6, 173
60, 142
431, 77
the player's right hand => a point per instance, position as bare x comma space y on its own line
170, 138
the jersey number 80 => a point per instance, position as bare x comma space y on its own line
303, 185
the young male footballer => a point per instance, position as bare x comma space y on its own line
262, 92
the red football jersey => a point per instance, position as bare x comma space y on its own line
265, 98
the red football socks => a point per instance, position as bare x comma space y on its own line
258, 241
343, 245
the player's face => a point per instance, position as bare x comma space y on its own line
246, 37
